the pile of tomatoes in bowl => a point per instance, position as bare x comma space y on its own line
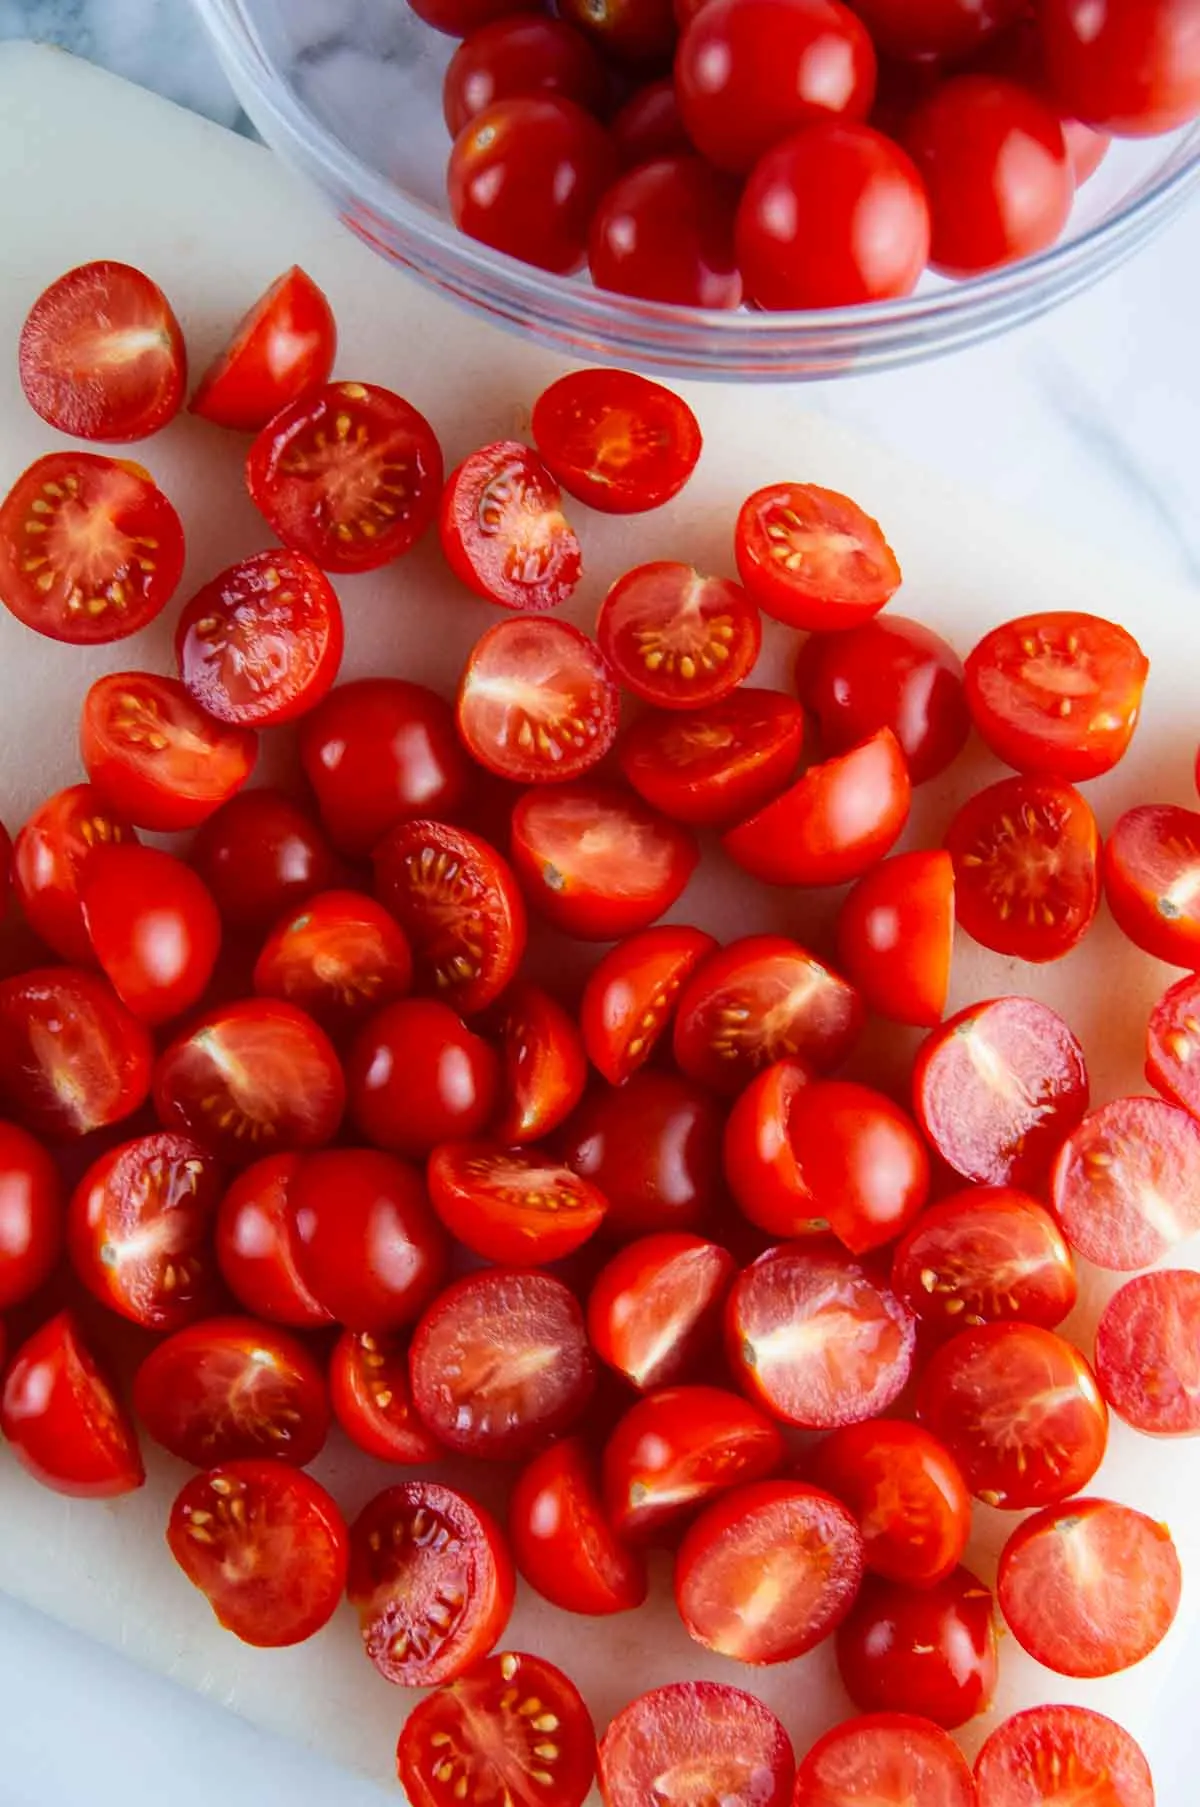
338, 1110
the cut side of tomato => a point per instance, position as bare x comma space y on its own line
72, 1058
256, 1246
282, 349
812, 558
895, 936
339, 956
1026, 858
1064, 1754
261, 644
155, 756
49, 854
885, 1760
703, 1740
906, 1492
504, 532
678, 639
615, 440
459, 904
537, 701
833, 824
596, 862
545, 1067
711, 766
988, 1255
631, 995
1152, 881
372, 1400
564, 1545
1172, 1043
511, 1205
1148, 1353
678, 1449
655, 1309
1126, 1184
62, 1419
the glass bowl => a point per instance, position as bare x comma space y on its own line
349, 91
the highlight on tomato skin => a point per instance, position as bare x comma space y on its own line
895, 936
32, 1215
932, 1651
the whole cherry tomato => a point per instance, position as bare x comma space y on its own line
154, 928
417, 1076
888, 672
665, 230
261, 854
367, 1244
628, 31
649, 126
615, 440
256, 1245
934, 28
930, 1651
72, 1057
652, 1147
655, 1309
908, 1495
563, 1544
517, 56
1131, 68
31, 1215
63, 1420
230, 1389
525, 177
833, 824
283, 348
49, 854
813, 558
895, 936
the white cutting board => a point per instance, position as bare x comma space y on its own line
94, 168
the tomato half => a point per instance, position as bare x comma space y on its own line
1152, 881
833, 824
888, 672
90, 550
905, 1490
511, 1205
504, 532
372, 1400
537, 701
704, 1738
1133, 69
282, 349
811, 558
985, 1256
262, 642
676, 638
31, 1215
49, 855
155, 756
1125, 1184
153, 926
564, 1545
929, 1651
630, 996
679, 1448
417, 1076
256, 1245
596, 862
232, 1388
459, 904
1026, 858
62, 1419
1148, 1353
895, 936
615, 440
712, 766
101, 354
885, 1760
267, 1545
1171, 1044
655, 1308
1027, 1757
72, 1057
652, 1147
339, 956
367, 1244
545, 1067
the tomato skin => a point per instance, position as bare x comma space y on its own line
984, 1256
282, 349
154, 928
1132, 69
652, 1147
155, 756
1145, 1345
665, 229
1123, 1185
339, 956
1026, 1755
459, 18
417, 1076
655, 1308
885, 1750
930, 1651
256, 1246
649, 126
563, 1544
261, 854
895, 936
195, 1394
677, 639
628, 1000
544, 1064
32, 1211
517, 1207
637, 32
537, 701
887, 672
906, 1491
261, 643
738, 1740
761, 1165
101, 355
709, 767
372, 1400
944, 29
836, 821
63, 1421
1150, 859
503, 530
1170, 1044
596, 862
72, 1057
521, 55
49, 854
615, 440
368, 1246
1026, 856
677, 1449
813, 558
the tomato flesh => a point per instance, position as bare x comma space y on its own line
458, 902
885, 1760
833, 824
282, 349
655, 1309
1152, 881
652, 1147
701, 1741
155, 756
615, 440
895, 936
256, 1245
63, 1421
1038, 1754
630, 996
1026, 858
596, 862
679, 1448
31, 1216
230, 1389
712, 766
154, 928
514, 1206
676, 638
1147, 1343
372, 1401
905, 1490
72, 1057
504, 533
49, 854
811, 557
537, 701
339, 956
262, 642
985, 1256
545, 1067
564, 1545
1124, 1184
1171, 1045
101, 355
931, 1651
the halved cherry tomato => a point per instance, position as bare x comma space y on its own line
102, 356
519, 55
431, 1581
679, 1448
49, 855
1126, 1183
72, 1057
250, 1079
712, 766
1148, 1353
513, 1724
630, 996
760, 1000
339, 956
155, 756
984, 1256
90, 550
256, 1245
1020, 1411
62, 1419
905, 1490
545, 1067
504, 532
885, 1760
1026, 858
768, 1571
596, 862
31, 1216
812, 558
372, 1400
537, 701
895, 936
262, 642
1152, 881
615, 440
512, 1205
281, 350
232, 1388
816, 1338
652, 1147
929, 1651
349, 474
998, 1087
1057, 693
261, 854
417, 1076
833, 824
1172, 1044
676, 638
267, 1545
368, 1246
562, 1541
655, 1309
153, 926
500, 1363
704, 1737
458, 902
761, 1163
1025, 1759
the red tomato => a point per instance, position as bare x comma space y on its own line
500, 1364
417, 1076
349, 475
665, 229
367, 1244
90, 550
256, 1245
655, 1309
630, 996
504, 532
811, 557
1057, 693
267, 1545
1026, 856
1133, 67
564, 1544
910, 1758
887, 673
372, 1400
1151, 872
1020, 1411
459, 18
431, 1581
1147, 1349
537, 701
518, 56
676, 638
339, 956
713, 766
652, 1147
997, 1087
906, 1492
49, 855
649, 126
101, 355
715, 1739
261, 644
545, 1067
762, 1167
934, 28
282, 349
835, 822
249, 1079
1028, 1756
895, 936
760, 1000
457, 901
768, 1571
1126, 1184
72, 1058
1174, 1025
232, 1388
261, 854
63, 1421
525, 177
615, 440
154, 927
679, 1448
596, 862
155, 756
515, 1206
495, 1721
31, 1216
628, 31
813, 1336
984, 1256
929, 1651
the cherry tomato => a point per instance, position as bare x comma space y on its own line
500, 1364
655, 1309
895, 936
256, 1245
431, 1581
652, 1147
834, 823
929, 1651
1171, 1044
250, 1079
1020, 1411
525, 177
760, 1000
768, 1571
997, 1088
496, 1721
155, 756
519, 56
261, 644
367, 1244
885, 1760
934, 28
31, 1216
631, 994
905, 1490
1151, 862
676, 638
537, 701
1026, 856
716, 1740
339, 956
762, 1167
101, 355
513, 1206
230, 1389
72, 1057
49, 855
628, 31
154, 927
563, 1543
349, 475
1147, 1345
504, 532
261, 854
811, 558
615, 440
712, 766
1027, 1757
417, 1076
90, 550
649, 126
1125, 1184
459, 18
372, 1400
665, 229
816, 1338
1132, 68
458, 903
985, 1256
282, 349
545, 1067
596, 862
63, 1421
679, 1448
887, 673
